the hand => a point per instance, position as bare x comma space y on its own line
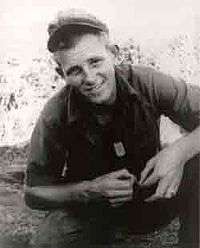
116, 187
166, 168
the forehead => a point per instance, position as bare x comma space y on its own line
87, 47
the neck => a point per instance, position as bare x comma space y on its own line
104, 118
103, 113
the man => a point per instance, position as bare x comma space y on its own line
95, 159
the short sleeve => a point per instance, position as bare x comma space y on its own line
171, 97
47, 155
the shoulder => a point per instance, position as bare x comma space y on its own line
137, 70
142, 79
147, 80
141, 76
54, 111
148, 77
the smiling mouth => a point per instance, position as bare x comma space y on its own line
96, 88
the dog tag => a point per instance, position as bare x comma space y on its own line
119, 149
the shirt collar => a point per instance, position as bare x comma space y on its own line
124, 88
72, 108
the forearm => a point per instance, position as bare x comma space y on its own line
189, 145
59, 196
114, 188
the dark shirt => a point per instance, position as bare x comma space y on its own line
67, 134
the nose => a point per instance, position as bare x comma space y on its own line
89, 75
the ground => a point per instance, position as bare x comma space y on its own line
18, 223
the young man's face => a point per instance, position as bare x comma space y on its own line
89, 66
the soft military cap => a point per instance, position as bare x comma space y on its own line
66, 20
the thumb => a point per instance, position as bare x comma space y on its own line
133, 180
149, 166
152, 179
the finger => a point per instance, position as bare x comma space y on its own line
126, 177
173, 189
152, 179
152, 198
129, 181
161, 189
120, 200
149, 166
118, 193
126, 183
133, 180
170, 193
116, 205
163, 186
121, 185
123, 173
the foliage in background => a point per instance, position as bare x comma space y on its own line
24, 88
23, 91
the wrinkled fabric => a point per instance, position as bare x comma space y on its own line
69, 145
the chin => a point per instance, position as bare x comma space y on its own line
101, 100
105, 97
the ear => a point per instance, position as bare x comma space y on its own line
59, 71
58, 68
114, 49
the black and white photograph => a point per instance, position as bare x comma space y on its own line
99, 123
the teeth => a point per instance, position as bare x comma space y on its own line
98, 86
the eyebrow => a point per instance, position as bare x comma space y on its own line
95, 58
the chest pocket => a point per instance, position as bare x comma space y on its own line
137, 130
140, 136
89, 156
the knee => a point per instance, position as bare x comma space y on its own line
58, 229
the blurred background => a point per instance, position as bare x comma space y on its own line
157, 33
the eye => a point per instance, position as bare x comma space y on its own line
95, 62
74, 71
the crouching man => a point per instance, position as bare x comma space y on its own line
95, 161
